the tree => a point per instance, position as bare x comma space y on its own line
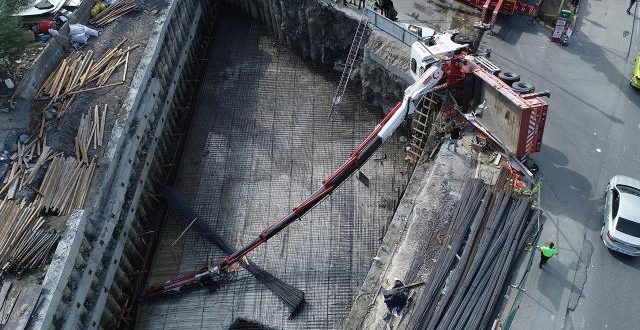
11, 36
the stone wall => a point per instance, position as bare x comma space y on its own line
322, 32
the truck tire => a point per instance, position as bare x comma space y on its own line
462, 39
509, 77
523, 87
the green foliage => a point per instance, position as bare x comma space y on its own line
11, 36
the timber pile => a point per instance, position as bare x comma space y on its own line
471, 275
79, 70
65, 185
113, 12
24, 242
91, 129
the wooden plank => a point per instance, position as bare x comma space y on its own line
25, 305
6, 285
6, 310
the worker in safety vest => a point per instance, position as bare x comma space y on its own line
546, 252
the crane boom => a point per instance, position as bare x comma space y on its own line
412, 96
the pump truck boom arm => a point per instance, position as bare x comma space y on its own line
412, 96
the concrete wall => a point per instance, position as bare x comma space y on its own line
99, 264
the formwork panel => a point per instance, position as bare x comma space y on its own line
260, 141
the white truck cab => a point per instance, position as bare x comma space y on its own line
425, 51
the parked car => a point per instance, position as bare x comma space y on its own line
621, 229
635, 78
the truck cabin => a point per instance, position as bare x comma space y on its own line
424, 52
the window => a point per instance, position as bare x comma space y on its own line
628, 227
628, 190
615, 203
414, 64
421, 71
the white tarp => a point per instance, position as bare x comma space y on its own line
47, 6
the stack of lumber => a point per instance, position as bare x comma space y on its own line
24, 170
75, 73
24, 242
65, 185
91, 129
33, 251
471, 275
113, 12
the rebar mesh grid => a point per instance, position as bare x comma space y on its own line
258, 144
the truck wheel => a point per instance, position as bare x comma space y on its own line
509, 77
523, 87
462, 39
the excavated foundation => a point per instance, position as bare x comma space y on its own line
258, 144
231, 107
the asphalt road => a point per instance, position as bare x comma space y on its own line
592, 133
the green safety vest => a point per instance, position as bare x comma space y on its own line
548, 252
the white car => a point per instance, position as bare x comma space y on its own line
621, 229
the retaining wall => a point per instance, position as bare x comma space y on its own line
99, 264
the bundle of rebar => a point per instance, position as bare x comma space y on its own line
65, 185
113, 12
292, 297
471, 275
79, 70
91, 129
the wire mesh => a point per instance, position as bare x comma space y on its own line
259, 142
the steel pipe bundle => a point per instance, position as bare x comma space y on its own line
471, 274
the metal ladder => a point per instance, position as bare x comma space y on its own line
423, 120
351, 58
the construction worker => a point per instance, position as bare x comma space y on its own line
546, 252
454, 136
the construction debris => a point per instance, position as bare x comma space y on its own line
23, 171
113, 12
79, 35
65, 185
471, 275
73, 75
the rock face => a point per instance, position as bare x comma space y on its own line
384, 71
322, 32
314, 28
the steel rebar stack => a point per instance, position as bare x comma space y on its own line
471, 275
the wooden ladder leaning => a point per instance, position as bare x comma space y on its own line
423, 119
